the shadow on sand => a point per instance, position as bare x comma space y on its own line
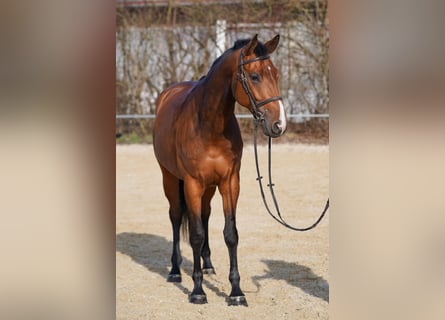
297, 275
154, 252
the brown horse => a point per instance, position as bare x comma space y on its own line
198, 145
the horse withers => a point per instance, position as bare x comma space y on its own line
198, 145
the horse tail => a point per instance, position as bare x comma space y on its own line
184, 210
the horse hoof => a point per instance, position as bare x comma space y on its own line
198, 298
208, 271
174, 278
237, 301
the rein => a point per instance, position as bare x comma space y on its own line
258, 116
279, 219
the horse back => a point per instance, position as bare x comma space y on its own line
173, 97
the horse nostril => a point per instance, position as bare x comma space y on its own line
277, 128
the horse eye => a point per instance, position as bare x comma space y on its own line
255, 77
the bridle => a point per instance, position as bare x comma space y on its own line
258, 115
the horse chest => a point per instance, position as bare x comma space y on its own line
217, 164
212, 166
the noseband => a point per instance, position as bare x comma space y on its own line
242, 76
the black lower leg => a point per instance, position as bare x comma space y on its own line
207, 266
176, 259
231, 238
196, 241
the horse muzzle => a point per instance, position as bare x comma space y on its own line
272, 126
274, 129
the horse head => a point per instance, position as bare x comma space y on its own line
255, 85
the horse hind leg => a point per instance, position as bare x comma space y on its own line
173, 189
207, 266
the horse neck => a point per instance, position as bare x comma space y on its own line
217, 106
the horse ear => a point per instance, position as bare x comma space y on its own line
248, 50
271, 45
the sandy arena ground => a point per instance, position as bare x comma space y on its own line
284, 274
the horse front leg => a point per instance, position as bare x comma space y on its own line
230, 192
193, 196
